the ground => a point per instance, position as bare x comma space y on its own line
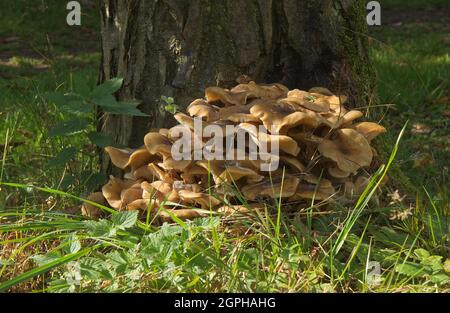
404, 230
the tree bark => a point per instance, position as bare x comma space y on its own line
178, 47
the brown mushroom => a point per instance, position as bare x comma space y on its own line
313, 188
90, 210
123, 158
337, 172
204, 200
202, 109
349, 149
215, 94
279, 117
269, 91
238, 113
238, 209
182, 214
293, 163
369, 130
118, 193
321, 90
223, 171
263, 139
311, 101
277, 187
158, 144
119, 157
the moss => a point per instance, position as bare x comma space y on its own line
355, 49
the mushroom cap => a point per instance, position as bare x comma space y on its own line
336, 120
158, 144
143, 172
142, 204
203, 110
119, 157
281, 116
238, 113
191, 173
238, 209
312, 101
139, 157
90, 210
321, 90
112, 189
307, 190
118, 193
293, 163
182, 214
337, 172
269, 91
285, 143
185, 120
349, 149
274, 189
234, 173
369, 130
129, 195
165, 190
214, 94
180, 185
197, 102
204, 200
164, 131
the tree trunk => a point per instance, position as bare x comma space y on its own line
178, 47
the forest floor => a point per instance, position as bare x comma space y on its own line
404, 237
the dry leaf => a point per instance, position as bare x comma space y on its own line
419, 128
423, 160
442, 100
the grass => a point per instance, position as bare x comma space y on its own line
46, 246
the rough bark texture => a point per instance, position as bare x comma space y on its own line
178, 47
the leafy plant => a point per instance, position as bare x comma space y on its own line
170, 106
424, 265
80, 115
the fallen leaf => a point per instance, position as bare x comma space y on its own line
442, 100
423, 160
419, 128
446, 113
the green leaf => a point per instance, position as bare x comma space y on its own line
422, 254
168, 100
44, 268
100, 139
125, 219
110, 105
409, 269
171, 108
107, 88
42, 259
433, 262
440, 278
69, 127
447, 266
71, 244
77, 107
101, 228
63, 157
106, 101
60, 99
